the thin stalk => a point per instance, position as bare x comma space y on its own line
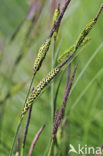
52, 84
67, 2
18, 148
15, 138
19, 125
57, 51
29, 88
26, 130
50, 148
28, 118
57, 91
35, 140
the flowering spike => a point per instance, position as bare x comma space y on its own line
85, 41
55, 25
82, 39
71, 50
66, 54
41, 55
43, 83
84, 33
36, 92
55, 18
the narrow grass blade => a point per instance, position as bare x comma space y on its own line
87, 87
87, 64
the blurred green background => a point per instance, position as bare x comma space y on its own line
85, 121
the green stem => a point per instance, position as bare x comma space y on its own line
52, 84
50, 148
30, 88
22, 151
19, 125
52, 94
15, 138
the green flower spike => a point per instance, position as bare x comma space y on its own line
85, 32
41, 55
36, 92
55, 17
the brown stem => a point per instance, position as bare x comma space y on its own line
27, 125
68, 75
99, 13
59, 18
61, 113
35, 140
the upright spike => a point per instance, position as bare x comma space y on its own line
41, 55
55, 18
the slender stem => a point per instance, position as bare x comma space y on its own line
101, 9
22, 151
28, 118
18, 147
68, 75
67, 2
18, 128
30, 87
15, 138
26, 130
35, 140
52, 84
50, 148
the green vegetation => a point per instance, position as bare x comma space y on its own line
26, 86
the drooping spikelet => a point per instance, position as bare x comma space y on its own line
71, 50
85, 41
55, 17
81, 41
67, 53
85, 32
41, 55
56, 14
35, 93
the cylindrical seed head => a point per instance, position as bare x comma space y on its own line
41, 55
36, 92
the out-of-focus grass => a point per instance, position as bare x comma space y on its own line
11, 13
85, 120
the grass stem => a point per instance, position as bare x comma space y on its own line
52, 84
15, 138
